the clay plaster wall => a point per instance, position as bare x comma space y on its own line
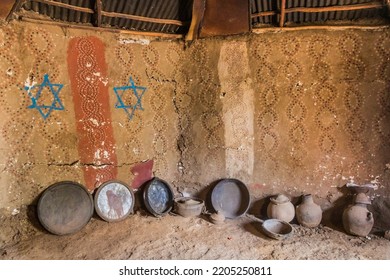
87, 125
293, 112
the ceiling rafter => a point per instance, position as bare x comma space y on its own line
63, 5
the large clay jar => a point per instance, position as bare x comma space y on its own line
308, 213
357, 220
281, 208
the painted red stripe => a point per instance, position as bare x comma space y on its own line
87, 72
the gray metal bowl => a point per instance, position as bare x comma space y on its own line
158, 197
65, 208
231, 198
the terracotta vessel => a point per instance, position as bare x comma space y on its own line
309, 214
188, 206
357, 220
281, 208
217, 218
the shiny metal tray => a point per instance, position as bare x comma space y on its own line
158, 197
114, 201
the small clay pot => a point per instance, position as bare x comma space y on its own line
281, 208
217, 218
308, 213
357, 220
188, 206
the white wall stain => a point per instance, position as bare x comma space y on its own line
97, 77
29, 82
124, 41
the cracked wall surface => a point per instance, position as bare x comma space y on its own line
293, 112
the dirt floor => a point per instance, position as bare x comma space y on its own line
142, 236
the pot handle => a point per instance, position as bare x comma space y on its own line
369, 216
204, 210
254, 218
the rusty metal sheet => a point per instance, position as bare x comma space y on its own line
114, 201
226, 17
158, 197
65, 208
5, 8
230, 197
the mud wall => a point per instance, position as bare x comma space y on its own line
293, 112
85, 107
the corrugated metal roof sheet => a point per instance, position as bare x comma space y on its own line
177, 13
159, 9
63, 14
168, 9
300, 17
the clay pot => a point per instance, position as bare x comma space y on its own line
188, 206
281, 208
277, 229
217, 218
357, 220
308, 213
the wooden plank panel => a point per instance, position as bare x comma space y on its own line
226, 17
198, 9
5, 8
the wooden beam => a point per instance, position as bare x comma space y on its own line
101, 29
261, 30
66, 6
371, 5
146, 19
198, 8
98, 12
18, 4
282, 13
264, 14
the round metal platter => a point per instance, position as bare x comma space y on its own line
158, 197
65, 208
230, 197
114, 201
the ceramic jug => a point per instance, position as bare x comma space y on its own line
357, 219
309, 214
281, 208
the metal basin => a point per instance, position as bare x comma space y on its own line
65, 207
114, 201
231, 198
158, 197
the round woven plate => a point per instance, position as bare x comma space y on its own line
230, 197
65, 208
114, 201
158, 197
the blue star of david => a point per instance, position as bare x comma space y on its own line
45, 110
138, 93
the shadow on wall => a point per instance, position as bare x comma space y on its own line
333, 216
380, 208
